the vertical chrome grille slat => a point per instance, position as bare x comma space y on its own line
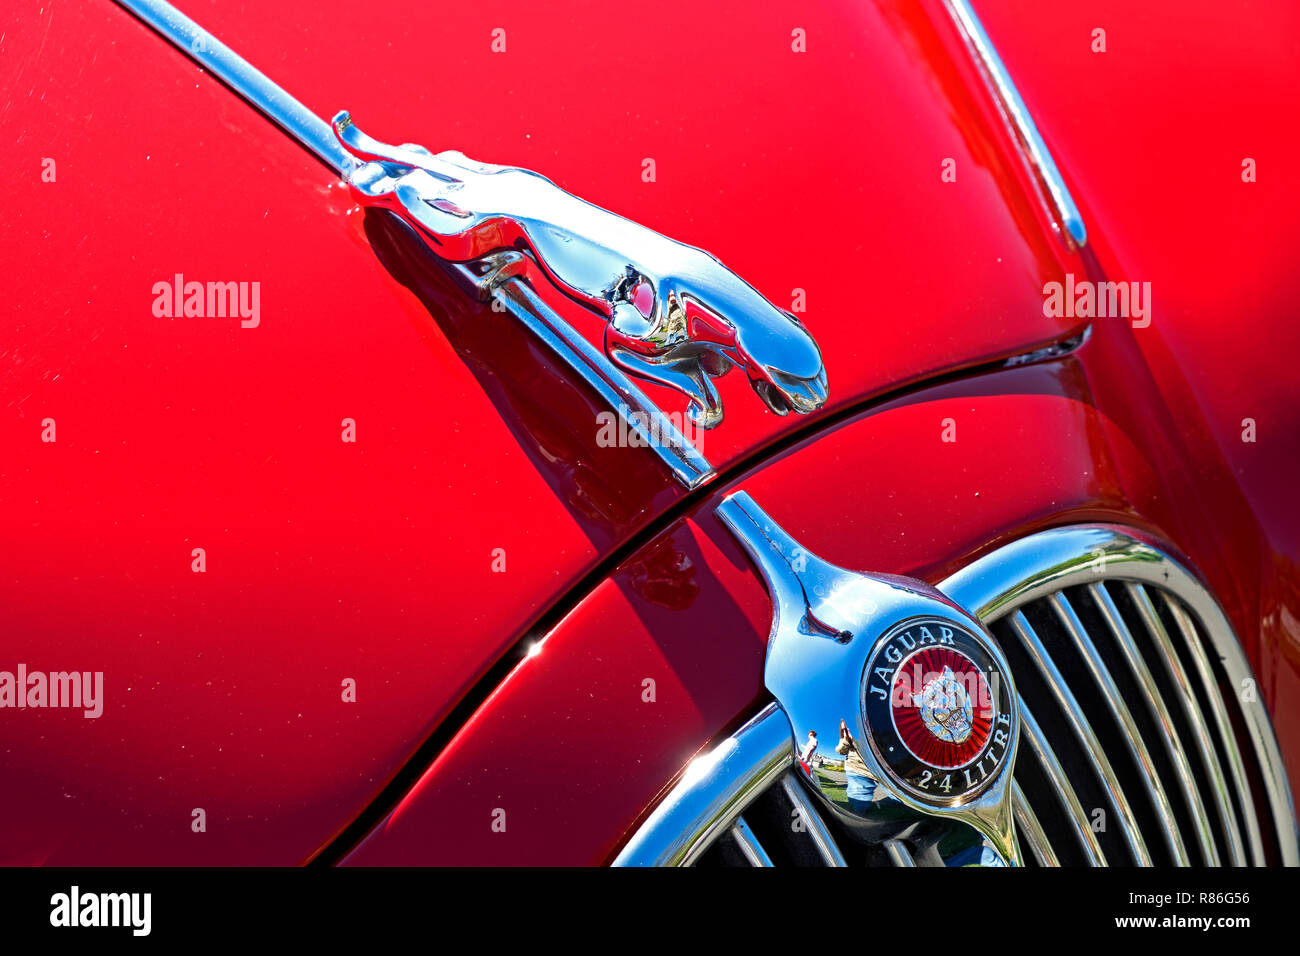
1087, 739
748, 844
812, 820
1035, 836
1187, 702
898, 854
1227, 738
1174, 748
1120, 713
1032, 734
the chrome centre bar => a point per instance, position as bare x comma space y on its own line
244, 78
622, 394
1004, 90
625, 398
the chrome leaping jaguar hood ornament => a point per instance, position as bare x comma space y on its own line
675, 315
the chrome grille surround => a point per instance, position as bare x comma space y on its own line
1128, 655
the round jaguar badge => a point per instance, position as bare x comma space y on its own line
938, 709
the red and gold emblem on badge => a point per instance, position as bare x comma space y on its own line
933, 706
938, 710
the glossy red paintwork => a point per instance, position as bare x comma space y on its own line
1152, 134
569, 747
817, 171
325, 561
1035, 447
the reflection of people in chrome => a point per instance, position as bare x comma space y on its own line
809, 749
861, 788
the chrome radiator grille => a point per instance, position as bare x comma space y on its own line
1117, 687
1143, 740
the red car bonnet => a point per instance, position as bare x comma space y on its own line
281, 613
